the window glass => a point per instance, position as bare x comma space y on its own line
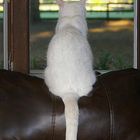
1, 34
110, 33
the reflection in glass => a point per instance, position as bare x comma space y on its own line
110, 34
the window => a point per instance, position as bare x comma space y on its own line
110, 34
18, 27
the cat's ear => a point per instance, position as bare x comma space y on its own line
83, 1
60, 2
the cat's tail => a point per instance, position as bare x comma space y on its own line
71, 116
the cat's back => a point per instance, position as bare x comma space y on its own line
68, 33
69, 44
68, 39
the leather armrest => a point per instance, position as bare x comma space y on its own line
29, 112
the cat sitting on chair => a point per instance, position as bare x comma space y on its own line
69, 73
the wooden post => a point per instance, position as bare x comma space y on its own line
19, 35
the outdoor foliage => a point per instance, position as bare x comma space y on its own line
94, 1
1, 64
107, 61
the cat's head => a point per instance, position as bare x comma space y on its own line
71, 8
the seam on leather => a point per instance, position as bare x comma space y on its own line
111, 112
53, 116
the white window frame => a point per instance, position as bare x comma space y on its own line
135, 62
5, 33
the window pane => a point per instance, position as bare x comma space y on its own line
1, 34
112, 43
110, 35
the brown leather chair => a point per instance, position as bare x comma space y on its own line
29, 112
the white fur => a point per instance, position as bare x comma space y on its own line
69, 73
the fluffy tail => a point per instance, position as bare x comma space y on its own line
71, 116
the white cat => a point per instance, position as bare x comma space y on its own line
69, 73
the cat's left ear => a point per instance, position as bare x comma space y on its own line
60, 2
83, 1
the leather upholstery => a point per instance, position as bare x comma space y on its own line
29, 112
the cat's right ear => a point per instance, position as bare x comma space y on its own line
83, 2
60, 2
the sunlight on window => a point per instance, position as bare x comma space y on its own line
1, 8
91, 1
92, 5
97, 7
41, 1
48, 7
120, 6
1, 1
